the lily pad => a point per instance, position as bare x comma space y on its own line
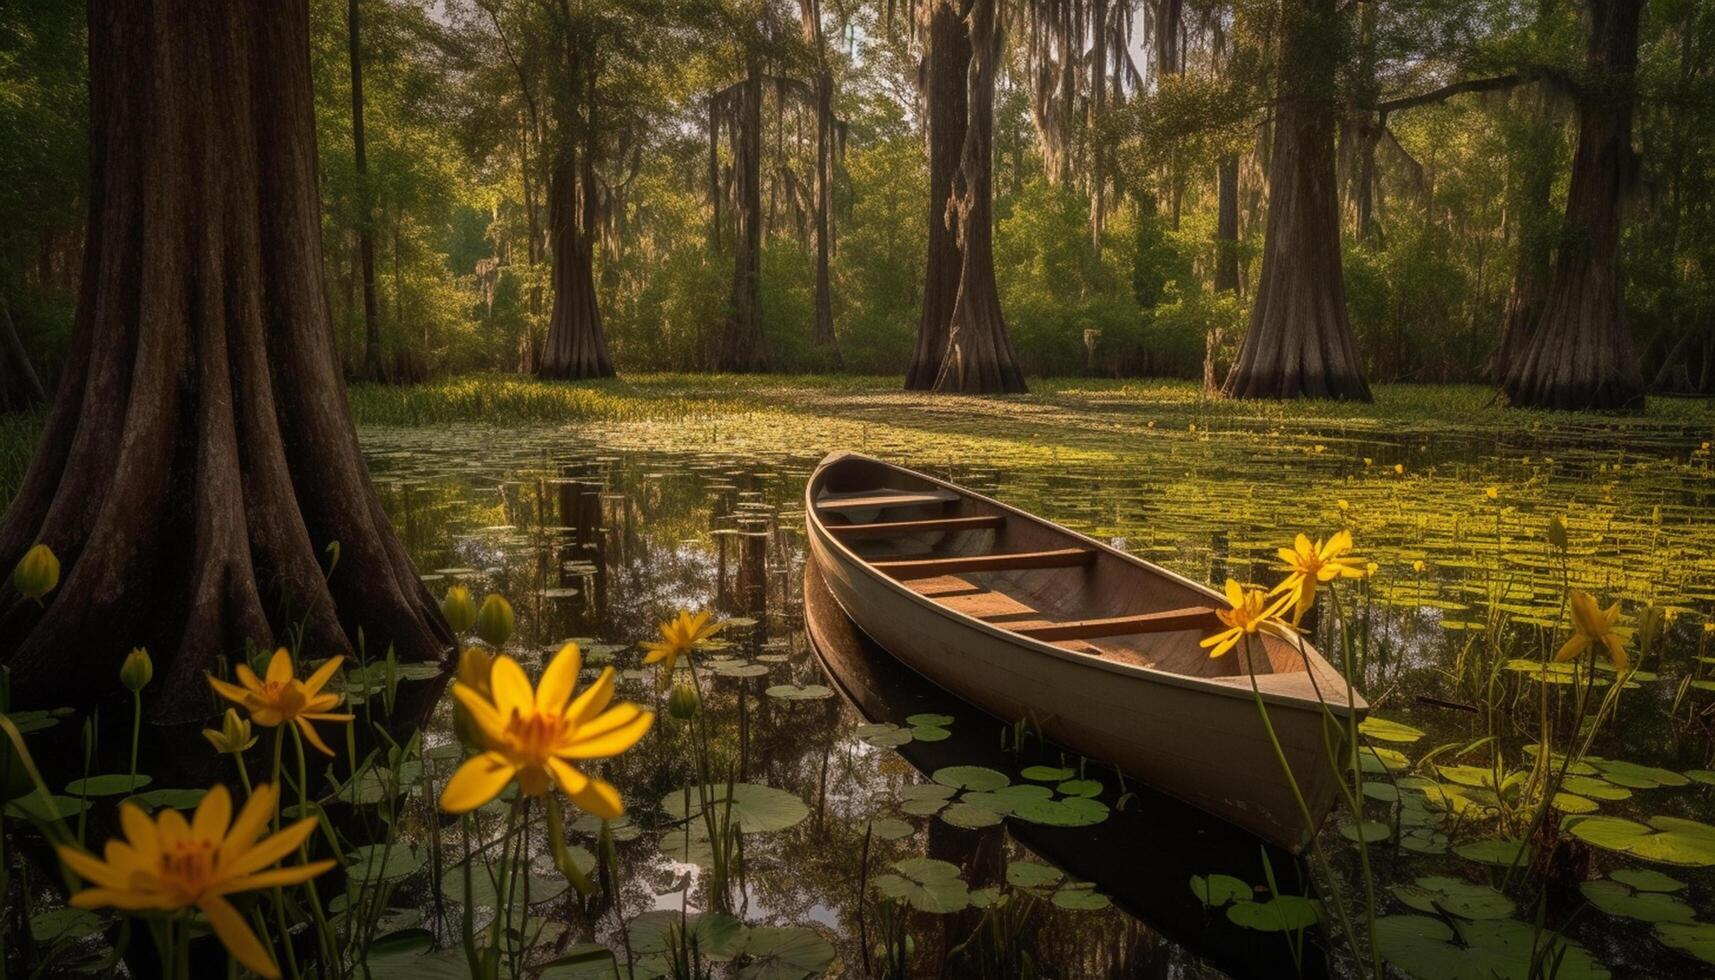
977, 778
888, 828
1648, 880
970, 816
1073, 811
1501, 853
717, 937
176, 799
1079, 787
1029, 874
1436, 894
1691, 938
1283, 913
1665, 840
939, 721
755, 808
1618, 898
64, 924
111, 784
1047, 774
1215, 891
1388, 730
785, 953
389, 862
1080, 896
792, 692
926, 884
930, 733
484, 892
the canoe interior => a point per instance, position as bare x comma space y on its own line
1021, 574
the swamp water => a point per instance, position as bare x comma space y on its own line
857, 778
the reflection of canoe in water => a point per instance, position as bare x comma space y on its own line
1096, 649
1142, 856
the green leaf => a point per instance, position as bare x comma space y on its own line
1029, 874
176, 799
64, 924
1080, 896
755, 808
484, 890
1215, 891
785, 953
1501, 853
976, 778
938, 721
970, 816
1079, 787
111, 784
1691, 938
792, 692
926, 884
887, 828
1283, 913
375, 863
1648, 880
1073, 811
1047, 774
1617, 898
717, 936
1436, 894
1389, 731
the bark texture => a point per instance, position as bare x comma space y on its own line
1580, 354
1532, 266
577, 345
374, 368
979, 357
827, 132
1299, 344
200, 455
944, 68
741, 347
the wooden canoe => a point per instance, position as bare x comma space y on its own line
1095, 649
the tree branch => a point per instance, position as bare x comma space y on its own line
1446, 92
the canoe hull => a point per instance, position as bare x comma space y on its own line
1203, 743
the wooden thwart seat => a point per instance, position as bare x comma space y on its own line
890, 528
1168, 621
835, 503
1011, 561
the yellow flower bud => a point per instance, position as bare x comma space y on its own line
459, 609
137, 670
37, 572
683, 702
495, 620
234, 735
475, 664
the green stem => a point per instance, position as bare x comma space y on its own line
324, 932
136, 731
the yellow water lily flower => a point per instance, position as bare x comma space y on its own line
234, 735
535, 736
1594, 626
679, 636
280, 697
168, 865
37, 573
1313, 563
1248, 613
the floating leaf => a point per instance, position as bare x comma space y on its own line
111, 784
792, 692
1029, 874
755, 808
718, 937
388, 862
1501, 853
1368, 831
1080, 896
1436, 894
785, 953
930, 733
1074, 811
970, 816
976, 778
1215, 891
1691, 938
1283, 913
1389, 731
1079, 787
887, 828
64, 924
926, 884
1616, 898
1648, 880
1047, 774
176, 799
939, 721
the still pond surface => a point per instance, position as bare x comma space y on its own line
884, 820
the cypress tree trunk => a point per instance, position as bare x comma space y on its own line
979, 358
19, 387
200, 455
824, 336
948, 60
1532, 266
1299, 344
374, 369
741, 345
576, 346
1580, 354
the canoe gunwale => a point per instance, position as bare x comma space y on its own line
1227, 687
